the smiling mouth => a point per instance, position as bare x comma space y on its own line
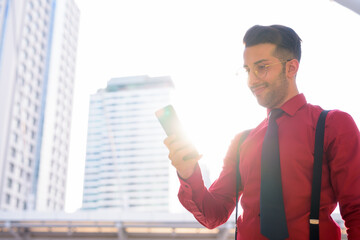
256, 90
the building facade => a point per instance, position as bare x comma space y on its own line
126, 161
38, 43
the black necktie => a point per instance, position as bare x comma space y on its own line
272, 212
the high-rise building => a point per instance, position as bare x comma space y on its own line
127, 167
38, 44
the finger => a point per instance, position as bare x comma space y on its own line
190, 156
175, 147
185, 153
176, 154
182, 165
181, 146
174, 142
170, 140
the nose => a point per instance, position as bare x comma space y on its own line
252, 78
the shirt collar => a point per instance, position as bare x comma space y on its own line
292, 105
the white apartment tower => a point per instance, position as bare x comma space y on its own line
126, 161
38, 42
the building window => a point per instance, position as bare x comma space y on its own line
28, 29
29, 17
31, 5
13, 152
8, 199
25, 43
33, 134
9, 182
22, 69
11, 167
15, 137
24, 55
31, 148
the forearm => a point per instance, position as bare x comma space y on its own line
210, 207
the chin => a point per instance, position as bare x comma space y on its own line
262, 103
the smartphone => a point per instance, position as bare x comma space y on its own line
169, 120
171, 125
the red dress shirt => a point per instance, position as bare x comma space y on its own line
340, 176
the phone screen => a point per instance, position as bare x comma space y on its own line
169, 120
171, 124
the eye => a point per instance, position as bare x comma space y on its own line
247, 70
261, 67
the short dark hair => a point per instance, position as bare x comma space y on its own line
288, 43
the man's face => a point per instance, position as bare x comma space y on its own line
266, 78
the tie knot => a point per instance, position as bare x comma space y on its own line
275, 114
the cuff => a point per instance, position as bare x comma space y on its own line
194, 182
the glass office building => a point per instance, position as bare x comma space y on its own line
127, 166
38, 45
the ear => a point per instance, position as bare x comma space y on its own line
292, 68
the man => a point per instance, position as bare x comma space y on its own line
271, 59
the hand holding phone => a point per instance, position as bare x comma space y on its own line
171, 125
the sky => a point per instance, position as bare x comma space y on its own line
198, 43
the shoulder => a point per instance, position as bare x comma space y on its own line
236, 141
240, 137
334, 116
340, 129
339, 115
335, 119
340, 121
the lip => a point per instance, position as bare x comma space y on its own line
257, 90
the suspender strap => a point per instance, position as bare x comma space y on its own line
317, 172
238, 179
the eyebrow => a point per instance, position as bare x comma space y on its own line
257, 62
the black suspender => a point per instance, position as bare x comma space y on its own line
317, 172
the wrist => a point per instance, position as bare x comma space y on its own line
186, 173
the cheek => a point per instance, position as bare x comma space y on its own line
248, 82
275, 79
